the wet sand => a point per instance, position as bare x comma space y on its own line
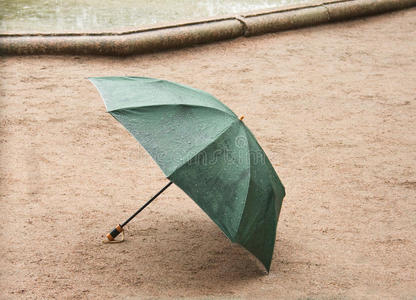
333, 106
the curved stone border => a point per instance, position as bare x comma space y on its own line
187, 34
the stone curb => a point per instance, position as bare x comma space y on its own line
192, 33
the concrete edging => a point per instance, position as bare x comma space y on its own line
192, 33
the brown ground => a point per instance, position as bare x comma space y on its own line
334, 108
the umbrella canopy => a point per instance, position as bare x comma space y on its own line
207, 151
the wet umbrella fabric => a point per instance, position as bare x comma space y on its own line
207, 151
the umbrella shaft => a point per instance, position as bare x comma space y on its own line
146, 204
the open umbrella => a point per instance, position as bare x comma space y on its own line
207, 151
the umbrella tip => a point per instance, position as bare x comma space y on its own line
241, 118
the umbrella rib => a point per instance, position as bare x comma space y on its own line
169, 104
205, 147
249, 179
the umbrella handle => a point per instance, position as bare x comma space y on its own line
114, 233
119, 228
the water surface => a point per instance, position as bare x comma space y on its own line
29, 16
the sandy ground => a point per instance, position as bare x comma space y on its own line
333, 106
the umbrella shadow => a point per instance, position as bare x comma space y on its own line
195, 255
187, 257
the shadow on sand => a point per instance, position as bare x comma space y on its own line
190, 256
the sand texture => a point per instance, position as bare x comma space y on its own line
334, 108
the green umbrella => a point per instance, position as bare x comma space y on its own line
207, 151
